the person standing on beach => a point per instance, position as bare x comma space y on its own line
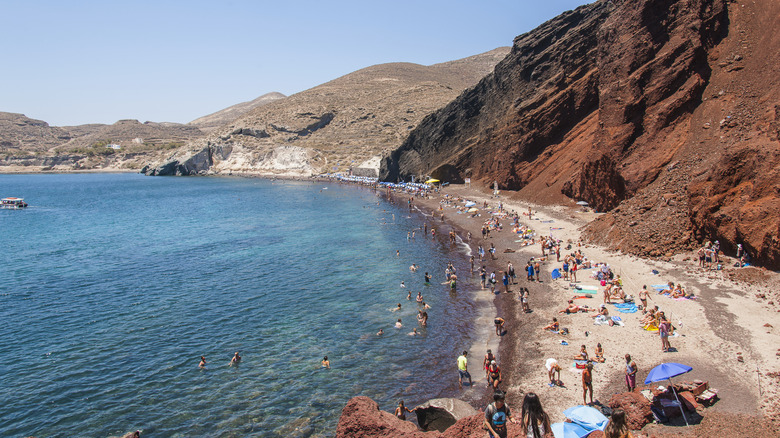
663, 332
496, 416
631, 370
505, 281
483, 276
537, 270
533, 419
494, 375
573, 271
489, 357
510, 269
530, 270
463, 368
587, 383
499, 322
472, 264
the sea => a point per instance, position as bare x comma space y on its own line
112, 286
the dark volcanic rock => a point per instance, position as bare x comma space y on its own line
636, 407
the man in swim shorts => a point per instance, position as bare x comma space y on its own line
463, 368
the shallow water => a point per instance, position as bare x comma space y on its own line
115, 284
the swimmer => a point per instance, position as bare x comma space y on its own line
413, 332
413, 268
398, 324
425, 305
326, 362
380, 332
409, 296
402, 284
202, 364
397, 253
419, 297
235, 360
397, 308
427, 278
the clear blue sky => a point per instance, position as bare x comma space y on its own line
76, 62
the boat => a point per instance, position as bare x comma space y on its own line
13, 203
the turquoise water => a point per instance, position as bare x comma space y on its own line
113, 286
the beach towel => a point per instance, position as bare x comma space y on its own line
555, 274
660, 286
626, 308
548, 222
617, 321
651, 328
586, 289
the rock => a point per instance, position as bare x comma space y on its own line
636, 407
361, 417
441, 413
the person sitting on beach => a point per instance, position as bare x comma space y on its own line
679, 292
401, 411
235, 360
553, 326
669, 289
552, 368
603, 315
583, 355
649, 316
599, 354
494, 375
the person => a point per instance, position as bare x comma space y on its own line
599, 352
631, 370
380, 332
533, 419
202, 363
463, 368
538, 271
401, 411
397, 308
587, 383
583, 354
235, 360
617, 426
494, 375
483, 276
419, 297
489, 357
325, 362
505, 281
413, 268
530, 271
552, 368
524, 300
643, 296
511, 271
554, 326
413, 332
427, 278
499, 322
573, 308
398, 324
409, 295
573, 271
663, 331
496, 416
603, 316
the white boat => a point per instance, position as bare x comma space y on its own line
13, 203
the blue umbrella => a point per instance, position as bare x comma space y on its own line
666, 371
569, 430
586, 416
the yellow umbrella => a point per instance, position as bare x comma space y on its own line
431, 181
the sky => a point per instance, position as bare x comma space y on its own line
76, 62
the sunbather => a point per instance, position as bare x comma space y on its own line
573, 308
583, 354
554, 325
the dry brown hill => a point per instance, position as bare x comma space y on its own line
333, 126
664, 112
227, 115
20, 134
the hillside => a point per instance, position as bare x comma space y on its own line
227, 115
334, 126
662, 112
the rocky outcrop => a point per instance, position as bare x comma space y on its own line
636, 108
636, 407
441, 413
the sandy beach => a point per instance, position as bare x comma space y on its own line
728, 334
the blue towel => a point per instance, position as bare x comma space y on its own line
626, 308
616, 318
556, 274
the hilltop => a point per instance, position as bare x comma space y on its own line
227, 115
334, 126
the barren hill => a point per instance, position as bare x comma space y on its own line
662, 112
227, 115
333, 126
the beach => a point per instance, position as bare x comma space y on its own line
728, 334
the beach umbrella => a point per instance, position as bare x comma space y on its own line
470, 204
666, 371
586, 416
583, 203
569, 430
473, 210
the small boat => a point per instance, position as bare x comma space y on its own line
13, 203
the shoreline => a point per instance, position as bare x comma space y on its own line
728, 317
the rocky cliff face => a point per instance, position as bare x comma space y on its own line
635, 107
336, 125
